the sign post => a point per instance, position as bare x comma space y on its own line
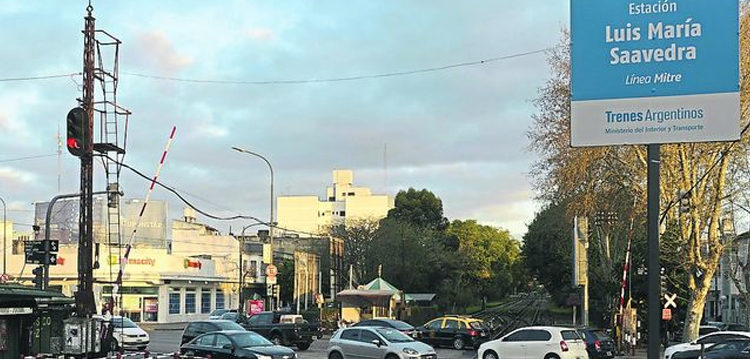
649, 73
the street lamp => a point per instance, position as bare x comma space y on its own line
270, 168
5, 234
241, 240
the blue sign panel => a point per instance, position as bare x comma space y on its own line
654, 71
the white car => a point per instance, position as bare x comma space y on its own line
128, 335
707, 341
537, 343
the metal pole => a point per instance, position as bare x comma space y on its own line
271, 223
654, 302
5, 233
85, 296
241, 280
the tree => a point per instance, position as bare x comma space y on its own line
488, 255
587, 178
358, 236
547, 250
286, 281
420, 208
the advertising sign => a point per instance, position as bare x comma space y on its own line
256, 306
657, 71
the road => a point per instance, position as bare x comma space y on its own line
168, 341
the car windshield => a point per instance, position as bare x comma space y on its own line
218, 312
229, 326
123, 322
600, 335
400, 325
394, 336
570, 335
249, 339
229, 316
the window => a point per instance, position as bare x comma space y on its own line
264, 318
434, 325
350, 334
539, 335
717, 338
219, 300
206, 340
461, 326
342, 213
351, 193
205, 301
519, 336
451, 324
190, 301
174, 302
367, 336
569, 335
222, 340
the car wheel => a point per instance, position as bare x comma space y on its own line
335, 355
551, 356
303, 345
490, 355
459, 343
276, 339
391, 356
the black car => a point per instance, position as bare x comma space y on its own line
598, 344
733, 349
402, 327
195, 329
230, 344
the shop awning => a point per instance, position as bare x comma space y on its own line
381, 298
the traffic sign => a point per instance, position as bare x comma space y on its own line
272, 271
666, 314
654, 72
38, 258
38, 246
670, 301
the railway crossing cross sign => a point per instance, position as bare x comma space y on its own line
670, 301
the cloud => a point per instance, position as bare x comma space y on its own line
154, 51
15, 176
261, 34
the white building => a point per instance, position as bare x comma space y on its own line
343, 203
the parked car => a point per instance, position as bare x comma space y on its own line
536, 342
598, 344
403, 327
731, 349
128, 335
216, 314
232, 316
194, 329
454, 331
234, 344
735, 327
372, 342
692, 349
708, 329
269, 325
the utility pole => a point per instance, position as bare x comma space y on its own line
85, 296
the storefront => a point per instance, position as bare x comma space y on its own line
157, 286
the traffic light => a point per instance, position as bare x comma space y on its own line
38, 277
78, 130
684, 198
275, 290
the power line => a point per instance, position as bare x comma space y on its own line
343, 78
42, 77
25, 158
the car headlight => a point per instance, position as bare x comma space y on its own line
410, 351
264, 357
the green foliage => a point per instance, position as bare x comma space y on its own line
547, 251
420, 208
285, 279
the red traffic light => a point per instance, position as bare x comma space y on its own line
78, 129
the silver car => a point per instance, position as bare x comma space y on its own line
376, 343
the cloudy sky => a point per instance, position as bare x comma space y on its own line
459, 133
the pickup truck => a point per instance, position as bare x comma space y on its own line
283, 329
